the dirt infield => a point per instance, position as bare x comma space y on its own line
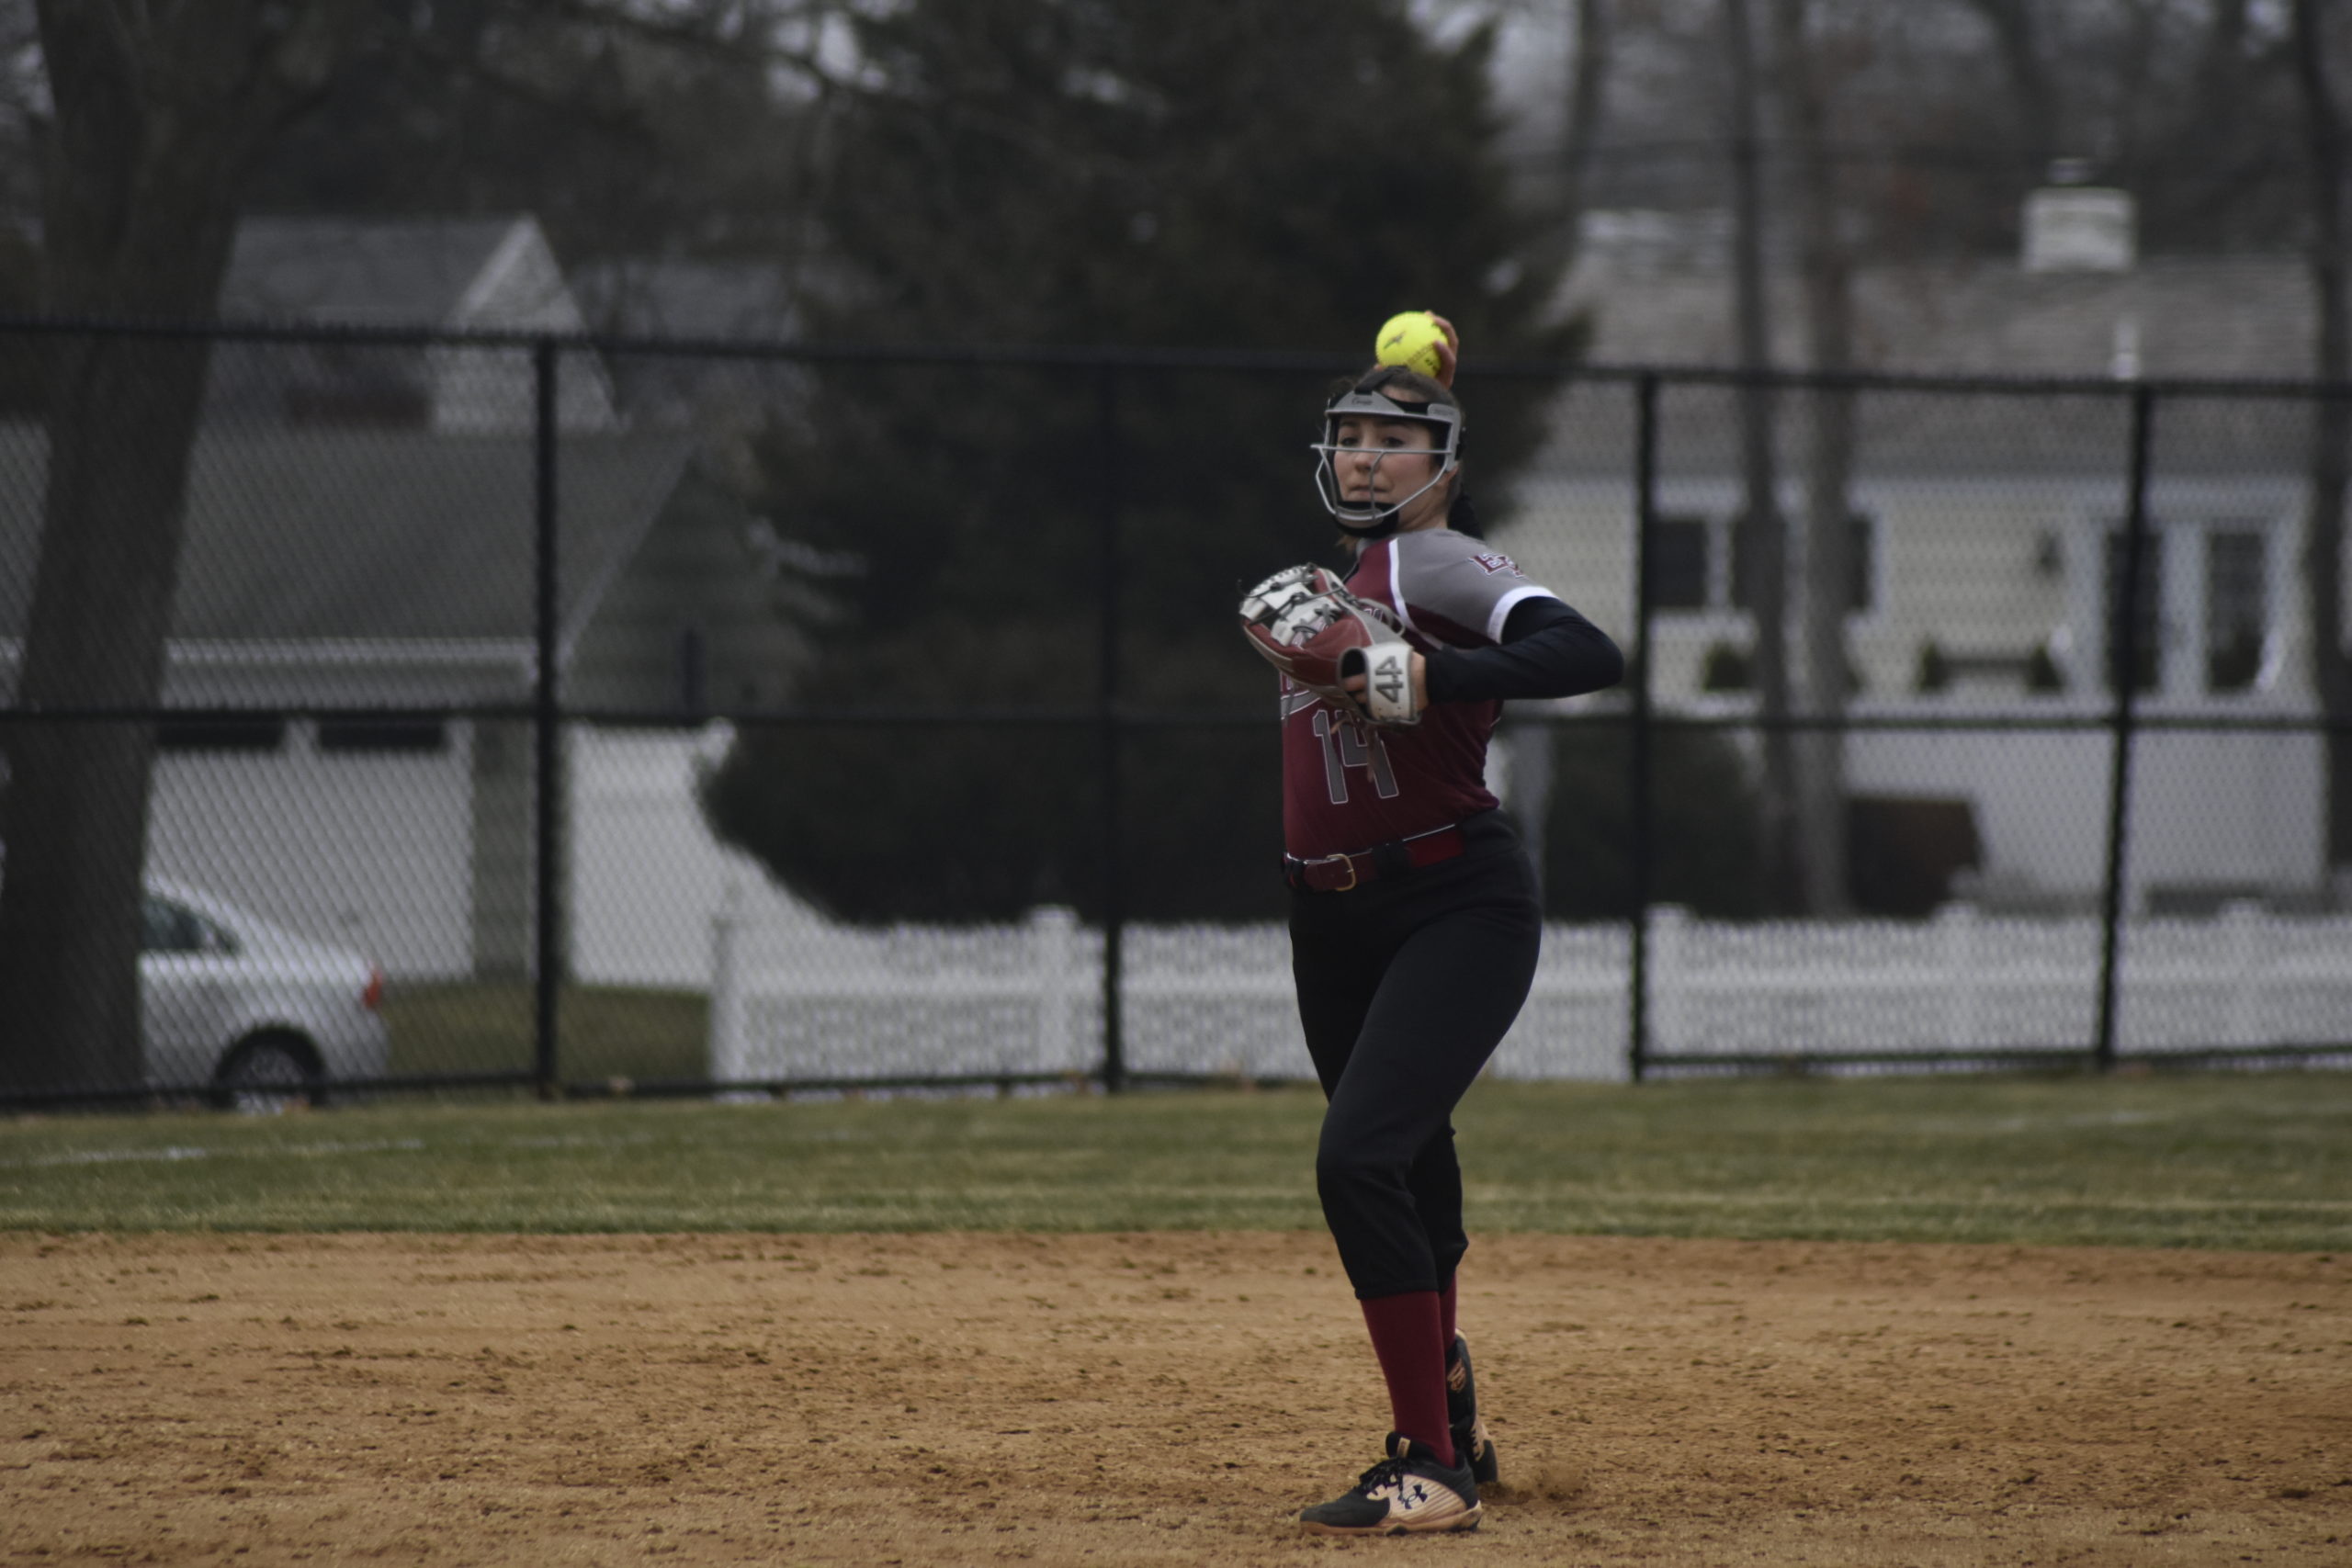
1109, 1399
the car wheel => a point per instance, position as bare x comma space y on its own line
268, 1073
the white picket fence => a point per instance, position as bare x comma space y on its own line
803, 999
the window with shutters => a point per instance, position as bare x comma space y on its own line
1701, 563
2237, 607
2147, 597
2202, 621
1678, 563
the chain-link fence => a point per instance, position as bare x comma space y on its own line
405, 710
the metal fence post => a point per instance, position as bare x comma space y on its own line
2123, 666
546, 777
1639, 823
1107, 732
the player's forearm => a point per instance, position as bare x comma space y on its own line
1560, 654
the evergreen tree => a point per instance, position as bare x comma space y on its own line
1189, 173
1706, 839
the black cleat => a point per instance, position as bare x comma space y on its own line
1470, 1444
1405, 1493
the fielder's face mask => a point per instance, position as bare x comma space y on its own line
1370, 518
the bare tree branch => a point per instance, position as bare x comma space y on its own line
2018, 38
1760, 530
2330, 461
1588, 93
1827, 268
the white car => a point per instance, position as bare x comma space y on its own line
252, 1011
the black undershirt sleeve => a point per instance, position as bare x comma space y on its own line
1547, 651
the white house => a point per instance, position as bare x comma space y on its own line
1988, 534
455, 275
359, 534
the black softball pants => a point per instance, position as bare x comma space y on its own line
1406, 986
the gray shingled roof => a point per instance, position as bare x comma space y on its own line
407, 271
2242, 317
303, 536
2192, 317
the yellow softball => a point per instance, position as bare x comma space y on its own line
1411, 339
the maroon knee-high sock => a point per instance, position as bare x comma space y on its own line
1412, 1359
1445, 1316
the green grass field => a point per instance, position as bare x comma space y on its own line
602, 1030
2221, 1160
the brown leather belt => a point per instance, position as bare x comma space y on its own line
1336, 874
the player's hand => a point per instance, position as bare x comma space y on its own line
1449, 353
1419, 666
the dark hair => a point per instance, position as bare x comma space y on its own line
1460, 515
1399, 385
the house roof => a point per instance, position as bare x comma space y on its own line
2221, 316
311, 536
362, 270
2209, 318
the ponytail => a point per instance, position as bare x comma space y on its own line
1460, 514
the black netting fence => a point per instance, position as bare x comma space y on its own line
396, 710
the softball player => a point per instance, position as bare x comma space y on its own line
1414, 920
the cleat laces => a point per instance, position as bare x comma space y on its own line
1386, 1479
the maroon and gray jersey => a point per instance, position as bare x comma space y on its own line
1347, 785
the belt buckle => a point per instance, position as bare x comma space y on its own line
1349, 861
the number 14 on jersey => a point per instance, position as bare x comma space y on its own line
1351, 743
